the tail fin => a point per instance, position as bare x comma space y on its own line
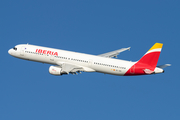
152, 55
147, 64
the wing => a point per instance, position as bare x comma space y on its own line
73, 69
114, 53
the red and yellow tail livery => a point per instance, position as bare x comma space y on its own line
147, 64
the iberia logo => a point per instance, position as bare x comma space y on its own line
48, 52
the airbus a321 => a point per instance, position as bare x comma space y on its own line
65, 62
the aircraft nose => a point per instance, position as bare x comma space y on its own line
10, 51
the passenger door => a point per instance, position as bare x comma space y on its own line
22, 50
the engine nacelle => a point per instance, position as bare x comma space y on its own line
55, 70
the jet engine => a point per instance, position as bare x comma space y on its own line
55, 70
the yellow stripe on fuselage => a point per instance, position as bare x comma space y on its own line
156, 46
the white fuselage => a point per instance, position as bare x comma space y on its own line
93, 63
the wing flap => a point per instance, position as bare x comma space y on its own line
71, 68
68, 68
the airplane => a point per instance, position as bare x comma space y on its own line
65, 62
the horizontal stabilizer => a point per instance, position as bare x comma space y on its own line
163, 66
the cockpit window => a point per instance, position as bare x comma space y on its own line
15, 48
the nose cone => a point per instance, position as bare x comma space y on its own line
10, 51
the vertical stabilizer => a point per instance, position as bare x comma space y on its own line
147, 64
152, 56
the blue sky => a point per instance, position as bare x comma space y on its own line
28, 91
